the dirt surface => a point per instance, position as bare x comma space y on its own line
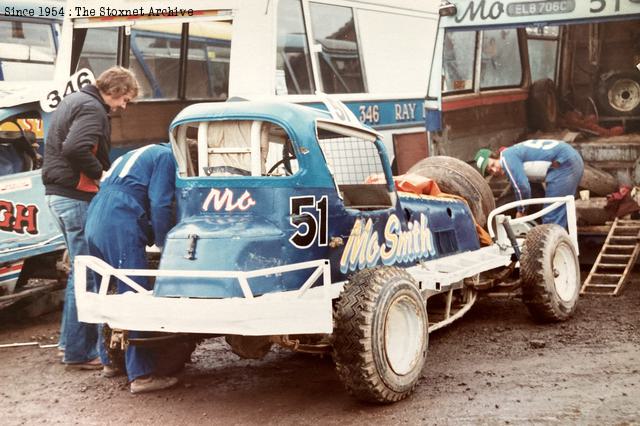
495, 366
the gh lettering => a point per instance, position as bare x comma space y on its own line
18, 218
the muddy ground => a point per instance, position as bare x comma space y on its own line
495, 366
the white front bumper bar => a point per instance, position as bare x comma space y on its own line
303, 311
567, 202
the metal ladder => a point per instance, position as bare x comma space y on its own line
616, 259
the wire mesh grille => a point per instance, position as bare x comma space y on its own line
352, 160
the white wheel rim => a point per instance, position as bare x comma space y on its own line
404, 335
624, 95
564, 272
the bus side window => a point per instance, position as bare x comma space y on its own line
208, 60
501, 66
293, 59
156, 49
334, 33
27, 50
542, 43
99, 49
458, 61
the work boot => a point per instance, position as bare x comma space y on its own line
93, 364
111, 371
152, 383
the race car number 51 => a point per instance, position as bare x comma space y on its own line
76, 82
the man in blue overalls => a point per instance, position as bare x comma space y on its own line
537, 160
133, 209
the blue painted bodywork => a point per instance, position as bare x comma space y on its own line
27, 228
260, 235
22, 202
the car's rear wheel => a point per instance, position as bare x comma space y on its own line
381, 335
550, 274
456, 177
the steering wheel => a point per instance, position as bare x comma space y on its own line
286, 160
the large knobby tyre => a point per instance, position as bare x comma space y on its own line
381, 335
542, 105
550, 274
456, 177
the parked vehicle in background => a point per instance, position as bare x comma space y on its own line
288, 49
510, 68
557, 69
29, 42
30, 244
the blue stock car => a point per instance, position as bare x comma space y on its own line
30, 242
290, 231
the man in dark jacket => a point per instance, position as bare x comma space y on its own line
75, 157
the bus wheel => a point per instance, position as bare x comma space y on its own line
381, 335
550, 274
543, 105
456, 177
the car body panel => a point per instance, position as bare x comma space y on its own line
245, 223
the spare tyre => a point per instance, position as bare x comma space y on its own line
619, 93
597, 181
456, 177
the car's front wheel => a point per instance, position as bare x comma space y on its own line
550, 274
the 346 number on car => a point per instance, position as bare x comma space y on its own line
77, 81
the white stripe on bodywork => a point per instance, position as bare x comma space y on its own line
127, 167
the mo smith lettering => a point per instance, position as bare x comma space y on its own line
363, 249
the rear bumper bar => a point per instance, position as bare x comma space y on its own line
303, 311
